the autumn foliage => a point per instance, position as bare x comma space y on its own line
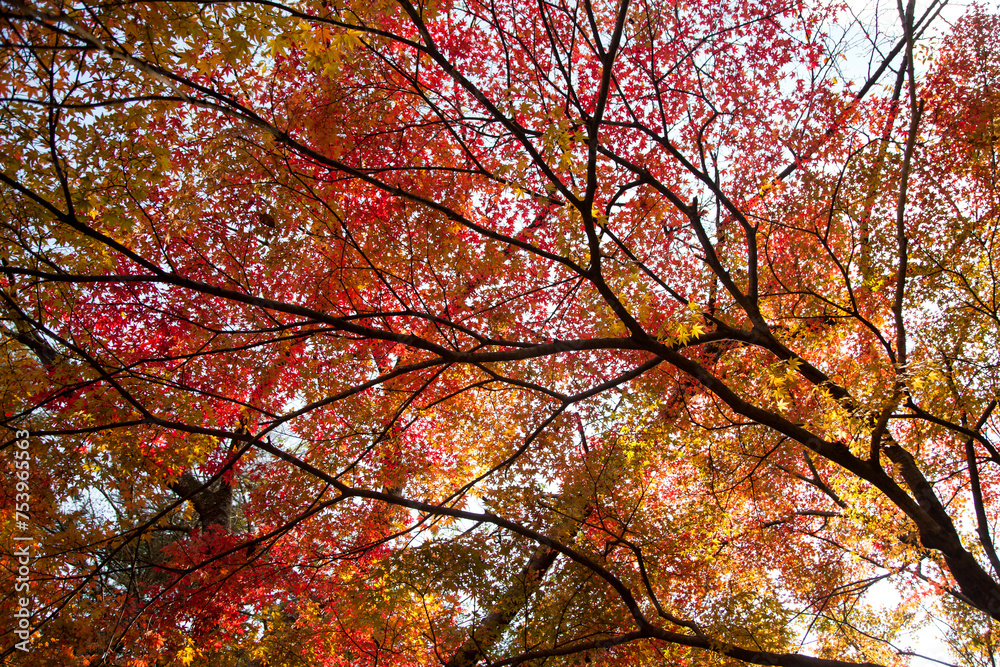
500, 332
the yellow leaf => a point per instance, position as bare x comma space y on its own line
187, 655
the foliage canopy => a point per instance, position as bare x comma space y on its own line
500, 332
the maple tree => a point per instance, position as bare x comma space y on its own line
499, 332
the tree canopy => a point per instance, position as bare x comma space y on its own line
499, 332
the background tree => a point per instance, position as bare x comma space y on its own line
484, 331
